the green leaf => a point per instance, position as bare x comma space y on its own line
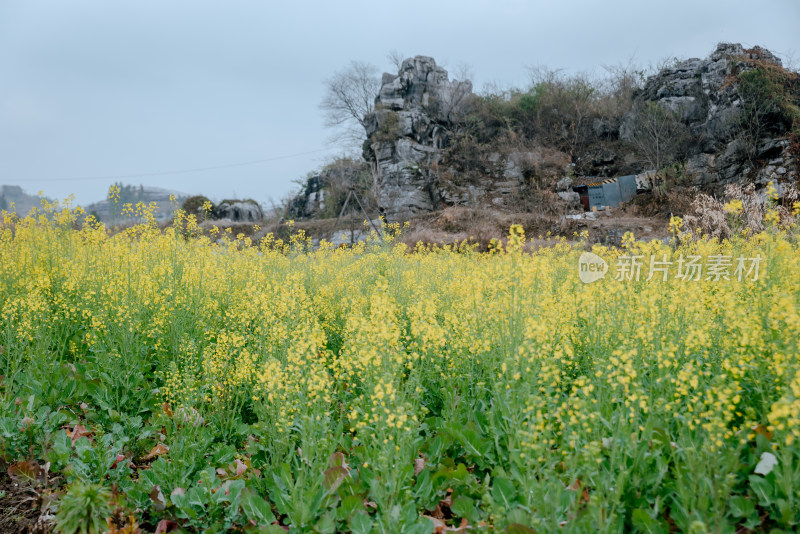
350, 505
270, 529
422, 526
763, 489
644, 523
463, 506
503, 491
255, 508
327, 523
360, 523
741, 506
230, 491
423, 490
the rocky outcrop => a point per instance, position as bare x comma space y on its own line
706, 96
239, 211
406, 131
325, 193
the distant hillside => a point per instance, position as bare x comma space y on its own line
14, 196
108, 211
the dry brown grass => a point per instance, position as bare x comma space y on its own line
710, 217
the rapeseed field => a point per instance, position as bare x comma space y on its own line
162, 379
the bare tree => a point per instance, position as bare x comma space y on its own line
452, 101
349, 98
561, 108
657, 135
395, 58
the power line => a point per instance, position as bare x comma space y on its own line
164, 173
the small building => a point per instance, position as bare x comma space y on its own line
606, 193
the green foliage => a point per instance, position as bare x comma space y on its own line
84, 509
194, 206
771, 104
504, 401
388, 126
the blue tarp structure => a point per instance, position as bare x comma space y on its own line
607, 193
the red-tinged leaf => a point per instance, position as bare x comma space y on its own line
178, 491
120, 457
336, 460
334, 477
158, 450
241, 467
419, 465
370, 504
165, 525
159, 503
221, 472
25, 471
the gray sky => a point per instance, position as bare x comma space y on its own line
118, 87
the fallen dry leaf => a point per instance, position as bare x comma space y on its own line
241, 467
419, 465
115, 525
78, 432
165, 525
440, 527
158, 450
159, 503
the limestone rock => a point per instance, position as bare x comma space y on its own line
407, 130
239, 211
704, 95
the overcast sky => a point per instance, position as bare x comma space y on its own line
113, 87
